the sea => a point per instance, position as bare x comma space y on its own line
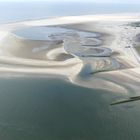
20, 11
48, 108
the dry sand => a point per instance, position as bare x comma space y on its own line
94, 51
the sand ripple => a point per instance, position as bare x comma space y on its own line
54, 50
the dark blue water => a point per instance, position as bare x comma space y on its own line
18, 11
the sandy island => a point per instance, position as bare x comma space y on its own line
94, 51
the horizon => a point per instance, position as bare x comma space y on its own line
75, 1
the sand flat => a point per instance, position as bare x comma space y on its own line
94, 51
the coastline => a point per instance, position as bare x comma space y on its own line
88, 65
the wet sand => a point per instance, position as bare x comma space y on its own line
60, 76
91, 51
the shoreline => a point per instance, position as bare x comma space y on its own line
85, 65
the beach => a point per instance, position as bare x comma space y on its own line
91, 51
70, 78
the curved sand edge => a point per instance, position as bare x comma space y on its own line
92, 72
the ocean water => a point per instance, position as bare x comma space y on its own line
19, 11
34, 108
42, 108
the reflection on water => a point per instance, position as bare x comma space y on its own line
41, 108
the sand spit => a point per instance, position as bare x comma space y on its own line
91, 51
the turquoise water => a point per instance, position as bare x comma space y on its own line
53, 109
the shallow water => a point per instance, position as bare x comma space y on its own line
43, 108
138, 50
